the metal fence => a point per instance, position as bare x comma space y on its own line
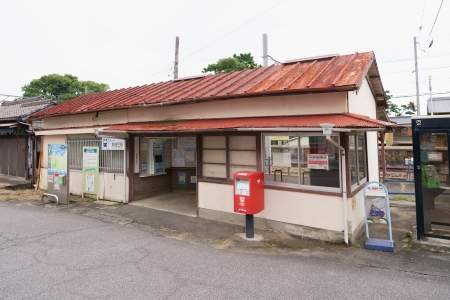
111, 161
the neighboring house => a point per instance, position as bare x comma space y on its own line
398, 149
188, 136
438, 106
17, 141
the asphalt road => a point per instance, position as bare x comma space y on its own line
47, 253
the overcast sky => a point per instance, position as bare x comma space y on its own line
127, 43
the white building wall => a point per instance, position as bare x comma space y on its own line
357, 210
111, 185
306, 209
362, 102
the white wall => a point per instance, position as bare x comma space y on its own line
306, 209
357, 210
362, 102
111, 185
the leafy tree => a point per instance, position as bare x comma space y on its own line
408, 109
61, 87
391, 108
235, 63
395, 110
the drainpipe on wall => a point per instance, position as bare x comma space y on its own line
344, 187
327, 130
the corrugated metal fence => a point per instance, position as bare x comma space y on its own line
111, 161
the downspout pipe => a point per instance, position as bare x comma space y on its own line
344, 186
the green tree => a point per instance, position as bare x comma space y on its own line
61, 87
235, 63
393, 109
408, 109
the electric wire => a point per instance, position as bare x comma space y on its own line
436, 17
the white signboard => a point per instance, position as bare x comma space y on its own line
318, 161
242, 187
281, 159
435, 156
113, 144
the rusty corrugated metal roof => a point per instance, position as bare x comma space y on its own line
325, 74
345, 120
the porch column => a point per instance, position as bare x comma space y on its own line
382, 155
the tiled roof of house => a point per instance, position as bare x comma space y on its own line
321, 74
344, 120
20, 109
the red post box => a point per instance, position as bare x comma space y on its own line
248, 192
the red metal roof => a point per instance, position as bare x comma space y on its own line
324, 74
345, 120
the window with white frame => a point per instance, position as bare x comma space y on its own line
301, 160
357, 153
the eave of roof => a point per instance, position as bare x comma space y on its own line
343, 120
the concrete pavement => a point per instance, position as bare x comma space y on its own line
54, 253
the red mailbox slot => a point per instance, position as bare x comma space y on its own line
248, 192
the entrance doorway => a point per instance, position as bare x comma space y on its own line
167, 177
433, 183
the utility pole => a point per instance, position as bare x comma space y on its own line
431, 96
265, 50
175, 65
416, 70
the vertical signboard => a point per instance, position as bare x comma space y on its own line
57, 172
90, 170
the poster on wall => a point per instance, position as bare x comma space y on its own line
57, 165
318, 161
184, 153
90, 169
281, 159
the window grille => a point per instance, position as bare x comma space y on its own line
111, 161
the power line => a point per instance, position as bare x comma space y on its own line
411, 71
424, 94
226, 34
435, 18
395, 60
423, 14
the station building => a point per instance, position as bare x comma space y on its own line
185, 138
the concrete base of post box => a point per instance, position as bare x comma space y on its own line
256, 238
265, 224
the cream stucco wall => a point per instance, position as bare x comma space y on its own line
362, 102
111, 185
357, 211
306, 209
245, 107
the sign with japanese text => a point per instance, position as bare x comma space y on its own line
90, 169
114, 144
318, 161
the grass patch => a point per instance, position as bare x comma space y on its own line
409, 198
